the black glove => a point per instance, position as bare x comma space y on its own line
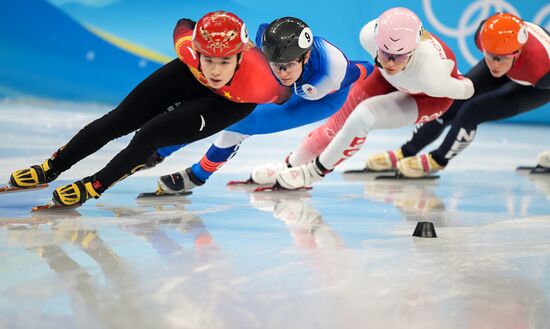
153, 160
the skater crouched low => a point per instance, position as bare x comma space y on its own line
203, 83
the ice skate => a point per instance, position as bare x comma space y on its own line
380, 162
77, 193
34, 177
543, 164
298, 177
266, 174
179, 183
418, 166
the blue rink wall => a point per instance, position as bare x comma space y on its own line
52, 49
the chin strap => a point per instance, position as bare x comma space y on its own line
302, 61
377, 63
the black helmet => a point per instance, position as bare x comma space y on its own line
286, 39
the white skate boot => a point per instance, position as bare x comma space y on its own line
543, 159
543, 164
266, 174
301, 176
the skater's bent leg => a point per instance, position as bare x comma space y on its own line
196, 119
426, 133
318, 139
158, 93
393, 110
222, 150
507, 101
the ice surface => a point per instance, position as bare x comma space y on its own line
339, 256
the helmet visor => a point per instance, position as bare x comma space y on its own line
498, 58
397, 59
288, 67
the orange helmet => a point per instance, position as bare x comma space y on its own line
220, 34
503, 34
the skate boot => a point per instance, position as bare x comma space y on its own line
301, 176
179, 182
543, 164
418, 166
384, 161
77, 193
543, 160
34, 176
266, 174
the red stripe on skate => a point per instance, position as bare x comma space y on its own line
393, 159
425, 164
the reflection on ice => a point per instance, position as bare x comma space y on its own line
338, 256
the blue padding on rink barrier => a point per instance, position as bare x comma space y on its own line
48, 52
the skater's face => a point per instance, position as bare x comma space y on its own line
499, 65
218, 70
392, 64
289, 72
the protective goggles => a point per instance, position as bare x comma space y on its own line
397, 59
498, 58
287, 67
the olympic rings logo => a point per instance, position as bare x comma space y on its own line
467, 26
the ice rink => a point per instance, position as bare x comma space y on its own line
338, 256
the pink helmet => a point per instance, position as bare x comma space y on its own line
397, 31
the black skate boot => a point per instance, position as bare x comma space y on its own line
34, 176
77, 193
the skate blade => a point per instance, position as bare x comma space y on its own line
279, 188
8, 188
539, 171
241, 182
162, 195
527, 168
245, 185
367, 171
398, 176
54, 207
